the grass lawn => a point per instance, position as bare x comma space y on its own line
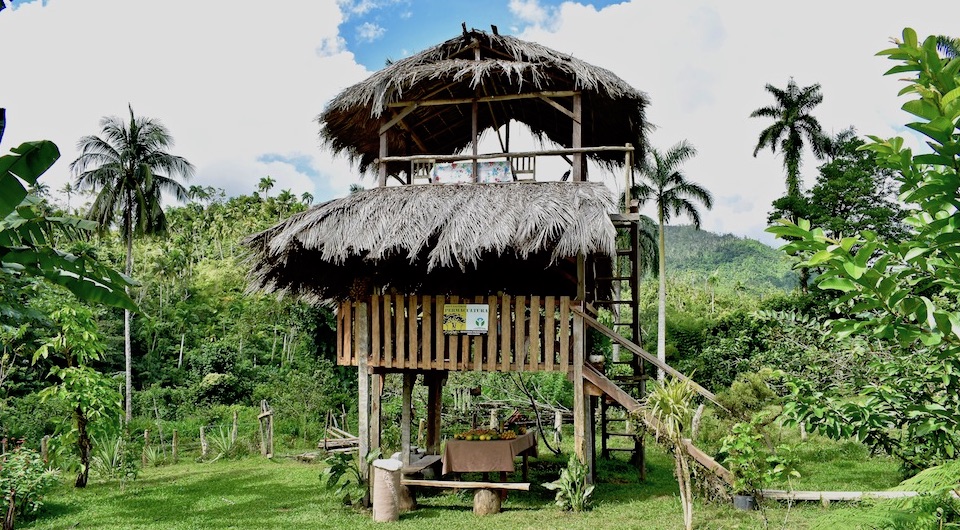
256, 493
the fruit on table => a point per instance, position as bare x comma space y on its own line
487, 434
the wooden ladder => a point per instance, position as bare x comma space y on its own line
625, 309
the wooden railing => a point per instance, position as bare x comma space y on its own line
524, 333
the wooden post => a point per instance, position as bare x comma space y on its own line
376, 393
382, 170
421, 431
628, 178
591, 436
175, 449
434, 404
146, 447
362, 335
581, 401
476, 139
204, 446
406, 417
576, 142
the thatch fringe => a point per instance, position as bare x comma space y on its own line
316, 254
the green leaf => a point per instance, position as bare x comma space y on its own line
27, 163
838, 284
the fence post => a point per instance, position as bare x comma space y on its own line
233, 433
146, 447
176, 446
204, 448
45, 449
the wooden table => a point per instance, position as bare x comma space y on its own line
462, 456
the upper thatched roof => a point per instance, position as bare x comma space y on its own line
613, 111
482, 236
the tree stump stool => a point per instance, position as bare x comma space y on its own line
486, 502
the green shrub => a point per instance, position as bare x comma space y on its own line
23, 473
573, 492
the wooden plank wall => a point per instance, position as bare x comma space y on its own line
527, 333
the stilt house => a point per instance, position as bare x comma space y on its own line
512, 261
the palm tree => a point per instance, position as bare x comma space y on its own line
266, 183
128, 168
666, 187
68, 189
307, 198
792, 122
948, 46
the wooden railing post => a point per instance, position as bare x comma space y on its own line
362, 334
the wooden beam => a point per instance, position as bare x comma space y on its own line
488, 156
561, 108
475, 134
398, 117
460, 484
577, 141
637, 350
484, 99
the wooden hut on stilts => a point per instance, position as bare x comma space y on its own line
449, 228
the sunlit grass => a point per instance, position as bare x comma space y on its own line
257, 493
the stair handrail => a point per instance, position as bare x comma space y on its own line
646, 356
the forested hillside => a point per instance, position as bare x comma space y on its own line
747, 262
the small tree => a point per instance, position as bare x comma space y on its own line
92, 396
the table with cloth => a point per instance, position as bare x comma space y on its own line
464, 456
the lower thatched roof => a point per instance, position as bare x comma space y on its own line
422, 238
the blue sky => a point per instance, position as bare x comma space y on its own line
392, 29
239, 83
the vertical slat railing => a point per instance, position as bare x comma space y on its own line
526, 333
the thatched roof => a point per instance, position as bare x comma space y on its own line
434, 238
613, 111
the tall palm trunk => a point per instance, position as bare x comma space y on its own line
662, 303
127, 354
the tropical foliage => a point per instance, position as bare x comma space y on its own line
901, 291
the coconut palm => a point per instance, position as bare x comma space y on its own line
792, 123
128, 168
664, 185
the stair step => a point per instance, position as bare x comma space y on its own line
623, 323
631, 378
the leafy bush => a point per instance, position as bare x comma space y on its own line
573, 492
23, 473
344, 476
753, 465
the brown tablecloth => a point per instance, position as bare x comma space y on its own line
460, 456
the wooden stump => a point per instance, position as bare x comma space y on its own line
486, 502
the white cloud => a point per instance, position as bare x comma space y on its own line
232, 82
529, 12
705, 63
369, 32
